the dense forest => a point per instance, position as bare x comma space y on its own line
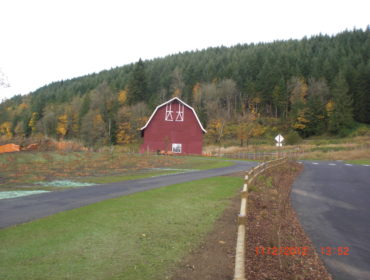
313, 86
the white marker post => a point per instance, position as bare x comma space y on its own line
279, 142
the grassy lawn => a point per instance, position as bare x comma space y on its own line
359, 161
125, 177
140, 236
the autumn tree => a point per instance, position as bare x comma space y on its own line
93, 129
19, 129
62, 126
122, 97
139, 116
216, 129
297, 88
124, 130
229, 97
33, 122
248, 127
6, 129
104, 100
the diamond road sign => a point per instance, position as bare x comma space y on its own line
279, 138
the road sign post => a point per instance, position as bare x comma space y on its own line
279, 142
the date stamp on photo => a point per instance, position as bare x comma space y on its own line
287, 251
300, 251
334, 251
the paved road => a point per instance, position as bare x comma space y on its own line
24, 209
332, 200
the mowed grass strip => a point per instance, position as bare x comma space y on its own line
190, 164
359, 161
140, 236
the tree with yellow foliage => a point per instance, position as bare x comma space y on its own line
6, 129
122, 97
124, 133
247, 128
301, 121
216, 130
62, 126
33, 121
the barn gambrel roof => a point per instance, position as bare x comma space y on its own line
169, 101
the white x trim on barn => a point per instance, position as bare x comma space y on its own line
179, 113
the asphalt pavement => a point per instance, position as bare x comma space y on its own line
24, 209
332, 200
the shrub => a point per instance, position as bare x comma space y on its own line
293, 138
361, 131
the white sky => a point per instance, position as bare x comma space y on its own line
42, 41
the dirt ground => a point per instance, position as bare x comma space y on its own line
214, 259
271, 223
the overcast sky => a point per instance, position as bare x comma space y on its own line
42, 41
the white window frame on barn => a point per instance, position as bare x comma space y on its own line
176, 148
180, 113
168, 117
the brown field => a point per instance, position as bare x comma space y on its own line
356, 148
23, 168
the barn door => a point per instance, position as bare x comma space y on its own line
177, 148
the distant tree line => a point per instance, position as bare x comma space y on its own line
311, 86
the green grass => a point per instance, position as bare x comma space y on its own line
140, 236
203, 163
330, 149
190, 163
359, 161
125, 177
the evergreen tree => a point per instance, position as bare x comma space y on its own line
138, 87
341, 116
84, 107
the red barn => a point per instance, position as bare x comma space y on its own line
173, 126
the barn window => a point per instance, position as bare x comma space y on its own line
180, 113
176, 148
169, 112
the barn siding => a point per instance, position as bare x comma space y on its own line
187, 132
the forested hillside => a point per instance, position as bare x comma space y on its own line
312, 86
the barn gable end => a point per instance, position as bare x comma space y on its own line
173, 126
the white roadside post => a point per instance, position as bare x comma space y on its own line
279, 142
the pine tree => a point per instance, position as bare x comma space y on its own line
84, 108
341, 116
138, 88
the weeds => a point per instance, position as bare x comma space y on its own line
30, 167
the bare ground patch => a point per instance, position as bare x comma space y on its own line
214, 258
